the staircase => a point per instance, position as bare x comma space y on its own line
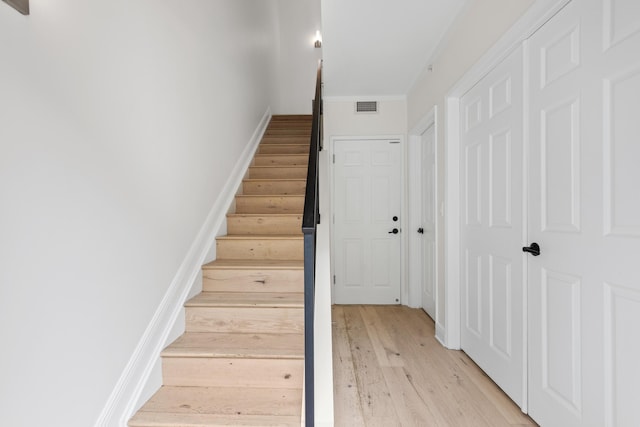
241, 360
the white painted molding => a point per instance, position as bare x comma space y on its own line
427, 121
121, 403
414, 208
404, 290
451, 336
534, 18
365, 98
440, 333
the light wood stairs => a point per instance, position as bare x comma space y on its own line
241, 360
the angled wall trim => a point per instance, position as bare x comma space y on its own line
21, 6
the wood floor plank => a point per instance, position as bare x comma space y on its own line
410, 407
375, 399
452, 382
347, 404
433, 386
385, 347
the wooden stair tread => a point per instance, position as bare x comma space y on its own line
286, 139
237, 345
260, 237
220, 406
287, 144
155, 419
273, 179
254, 264
268, 215
246, 299
284, 148
279, 156
292, 117
278, 167
257, 196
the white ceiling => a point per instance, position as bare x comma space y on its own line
379, 47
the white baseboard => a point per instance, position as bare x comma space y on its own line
440, 334
122, 402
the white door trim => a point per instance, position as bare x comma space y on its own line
404, 291
414, 194
539, 13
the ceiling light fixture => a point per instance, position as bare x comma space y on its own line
318, 42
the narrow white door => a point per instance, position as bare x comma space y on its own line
366, 206
584, 287
492, 323
427, 228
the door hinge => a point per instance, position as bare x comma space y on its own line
334, 158
334, 279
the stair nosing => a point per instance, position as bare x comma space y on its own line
273, 179
279, 167
268, 215
195, 302
254, 264
269, 195
260, 237
176, 350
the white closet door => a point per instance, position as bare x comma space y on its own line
491, 225
367, 189
428, 223
584, 288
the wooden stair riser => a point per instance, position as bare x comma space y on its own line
291, 117
285, 139
224, 406
275, 186
287, 133
260, 248
293, 172
249, 280
245, 320
264, 225
261, 204
232, 372
293, 125
277, 160
284, 148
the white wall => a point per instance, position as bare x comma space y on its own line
298, 21
119, 123
479, 25
341, 119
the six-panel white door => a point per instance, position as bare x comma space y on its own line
367, 191
428, 221
491, 225
584, 288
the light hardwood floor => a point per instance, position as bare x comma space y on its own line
389, 370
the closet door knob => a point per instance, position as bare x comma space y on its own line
534, 249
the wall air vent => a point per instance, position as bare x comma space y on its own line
367, 107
